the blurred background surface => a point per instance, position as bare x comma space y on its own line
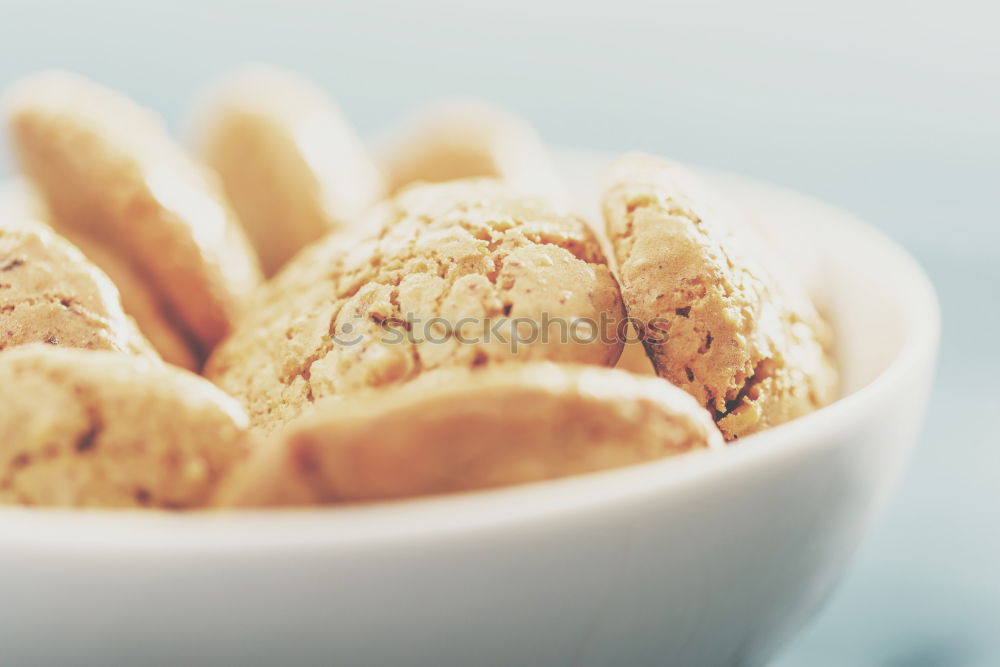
890, 109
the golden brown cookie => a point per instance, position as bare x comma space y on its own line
460, 429
50, 293
81, 428
136, 296
464, 138
112, 176
140, 301
460, 274
750, 348
292, 166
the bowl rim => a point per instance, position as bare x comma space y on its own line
456, 515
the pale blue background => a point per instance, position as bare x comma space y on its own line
890, 109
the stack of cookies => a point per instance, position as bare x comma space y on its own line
282, 319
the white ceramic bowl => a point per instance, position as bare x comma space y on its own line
701, 560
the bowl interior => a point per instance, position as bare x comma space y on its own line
878, 299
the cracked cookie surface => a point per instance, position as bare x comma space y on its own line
457, 429
350, 314
748, 347
111, 176
85, 428
50, 293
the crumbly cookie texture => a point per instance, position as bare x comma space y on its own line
465, 138
111, 175
460, 429
83, 428
349, 314
50, 293
290, 163
749, 348
137, 297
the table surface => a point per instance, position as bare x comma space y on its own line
888, 108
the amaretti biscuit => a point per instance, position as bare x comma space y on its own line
750, 349
460, 429
292, 166
84, 428
50, 293
21, 202
140, 300
465, 138
459, 274
111, 176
